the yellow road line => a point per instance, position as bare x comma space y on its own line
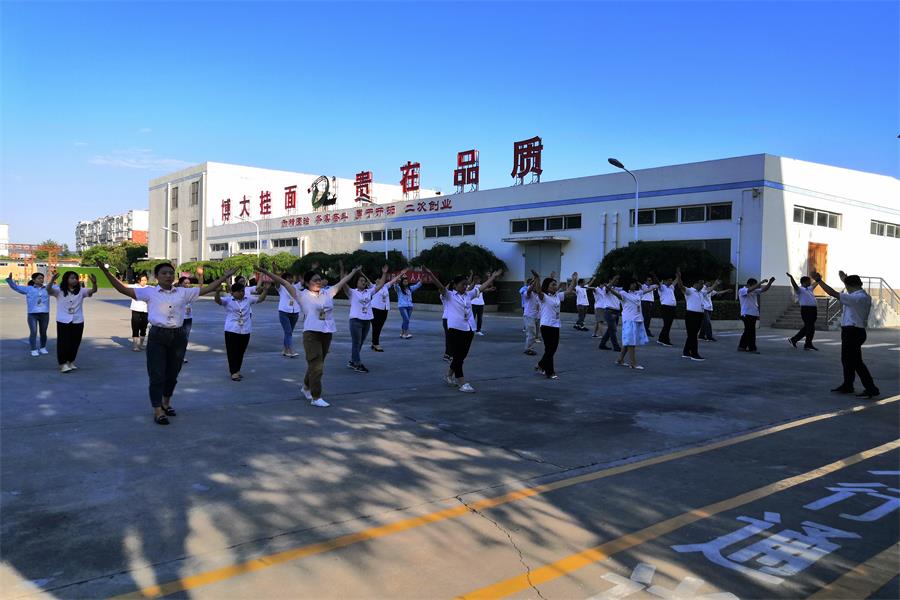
264, 562
864, 579
576, 561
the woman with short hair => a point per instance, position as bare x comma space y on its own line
70, 297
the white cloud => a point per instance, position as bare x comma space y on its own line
144, 130
80, 144
140, 158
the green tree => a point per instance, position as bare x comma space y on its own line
448, 261
44, 254
663, 258
90, 256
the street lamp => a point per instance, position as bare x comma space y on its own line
257, 232
618, 164
177, 233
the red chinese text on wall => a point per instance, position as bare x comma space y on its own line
527, 159
466, 172
409, 179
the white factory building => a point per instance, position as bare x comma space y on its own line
765, 214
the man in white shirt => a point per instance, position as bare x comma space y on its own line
808, 311
749, 298
581, 303
856, 305
647, 302
667, 308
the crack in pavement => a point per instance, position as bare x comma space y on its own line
512, 543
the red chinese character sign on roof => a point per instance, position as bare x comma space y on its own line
409, 179
265, 203
363, 183
466, 172
226, 210
290, 197
527, 159
244, 211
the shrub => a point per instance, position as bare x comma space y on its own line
447, 261
663, 258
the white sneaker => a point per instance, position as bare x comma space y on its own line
34, 352
450, 380
64, 368
479, 333
467, 387
43, 351
73, 366
305, 391
320, 402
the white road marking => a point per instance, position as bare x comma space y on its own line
876, 345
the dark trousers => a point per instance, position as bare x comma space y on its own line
68, 339
315, 345
692, 321
165, 356
852, 339
359, 330
748, 338
478, 311
582, 313
612, 320
668, 315
235, 346
138, 324
446, 339
460, 342
188, 325
379, 316
37, 322
706, 332
551, 343
646, 311
809, 314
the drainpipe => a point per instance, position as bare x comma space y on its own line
603, 236
616, 230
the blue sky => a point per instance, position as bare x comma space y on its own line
97, 99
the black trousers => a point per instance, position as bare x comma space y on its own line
379, 316
612, 320
646, 311
852, 339
235, 346
165, 357
748, 338
446, 339
478, 311
692, 321
668, 315
551, 343
459, 342
809, 314
68, 339
138, 324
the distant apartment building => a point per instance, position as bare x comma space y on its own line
128, 227
4, 239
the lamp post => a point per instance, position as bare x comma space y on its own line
177, 233
618, 164
257, 232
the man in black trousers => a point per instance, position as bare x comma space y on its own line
856, 305
809, 311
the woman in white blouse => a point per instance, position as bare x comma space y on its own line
361, 299
550, 298
634, 333
138, 317
460, 323
238, 324
317, 304
69, 316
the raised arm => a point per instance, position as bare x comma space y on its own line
93, 290
218, 296
491, 279
678, 282
343, 282
217, 284
441, 287
793, 283
282, 282
381, 282
265, 292
13, 285
828, 289
52, 283
611, 290
536, 285
769, 284
120, 287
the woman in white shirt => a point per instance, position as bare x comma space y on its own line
361, 313
460, 323
633, 332
167, 341
549, 298
238, 324
693, 316
381, 306
288, 314
317, 304
69, 316
138, 317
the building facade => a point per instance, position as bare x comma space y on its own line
764, 214
112, 229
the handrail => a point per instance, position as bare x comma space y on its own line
885, 293
831, 313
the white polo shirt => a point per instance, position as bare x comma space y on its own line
581, 296
478, 300
532, 307
749, 301
361, 304
600, 298
550, 307
458, 308
631, 306
646, 293
806, 296
856, 309
667, 294
238, 314
319, 309
707, 296
382, 299
694, 300
138, 305
69, 307
165, 308
286, 302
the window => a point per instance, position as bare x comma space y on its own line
720, 212
285, 243
439, 231
885, 229
175, 197
556, 223
819, 218
247, 245
174, 229
645, 217
666, 215
195, 230
693, 214
195, 193
378, 235
218, 247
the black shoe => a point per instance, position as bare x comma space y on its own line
169, 411
377, 348
792, 342
602, 347
711, 340
361, 368
350, 365
810, 347
530, 352
869, 394
161, 420
843, 390
615, 349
